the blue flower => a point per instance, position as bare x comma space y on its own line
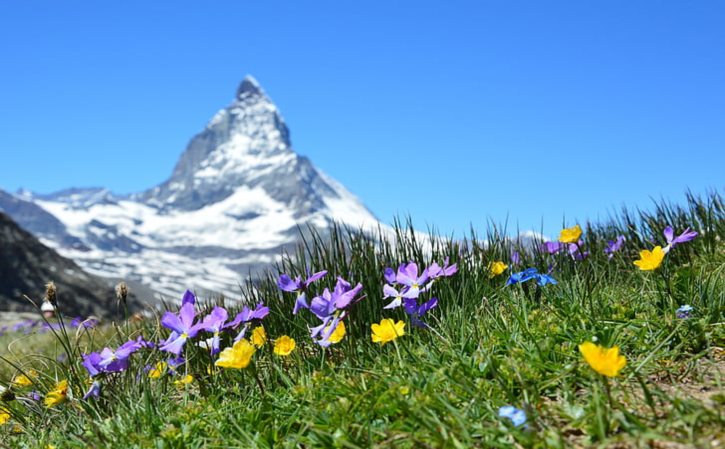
528, 274
516, 415
684, 311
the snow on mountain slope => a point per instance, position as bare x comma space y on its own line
232, 204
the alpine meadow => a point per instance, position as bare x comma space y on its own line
611, 336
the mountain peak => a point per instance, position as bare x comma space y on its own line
249, 86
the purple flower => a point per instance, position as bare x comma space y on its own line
115, 361
614, 246
287, 284
245, 317
408, 276
389, 275
183, 328
416, 312
435, 271
551, 247
683, 312
34, 396
391, 292
673, 241
516, 415
575, 251
515, 258
188, 298
93, 391
330, 307
91, 362
214, 323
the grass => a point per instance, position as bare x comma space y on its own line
489, 345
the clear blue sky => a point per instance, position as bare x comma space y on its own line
454, 112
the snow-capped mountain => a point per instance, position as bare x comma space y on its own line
232, 204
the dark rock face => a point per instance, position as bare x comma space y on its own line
26, 265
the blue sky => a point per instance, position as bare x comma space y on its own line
455, 112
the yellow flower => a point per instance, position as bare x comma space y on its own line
25, 380
284, 345
57, 396
387, 330
238, 356
650, 260
570, 235
158, 370
496, 268
259, 336
186, 380
338, 334
605, 361
4, 416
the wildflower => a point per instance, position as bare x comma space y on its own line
214, 323
387, 331
4, 416
330, 307
186, 380
408, 276
515, 258
285, 283
614, 246
496, 268
416, 312
390, 292
570, 235
57, 395
435, 271
158, 370
605, 361
25, 380
115, 361
551, 247
673, 241
188, 298
528, 274
650, 260
246, 316
284, 346
237, 356
175, 362
259, 336
338, 333
183, 328
404, 390
575, 251
389, 275
93, 391
516, 415
683, 312
34, 396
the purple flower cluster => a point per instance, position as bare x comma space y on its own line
28, 326
184, 325
406, 285
330, 307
